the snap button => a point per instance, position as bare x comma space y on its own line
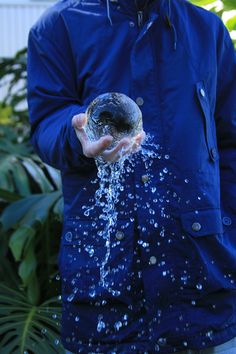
213, 153
202, 92
145, 178
227, 220
152, 260
131, 24
120, 235
196, 226
139, 101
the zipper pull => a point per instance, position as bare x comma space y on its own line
140, 18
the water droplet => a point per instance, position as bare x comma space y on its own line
92, 293
162, 341
70, 297
199, 286
77, 318
209, 334
186, 180
118, 325
90, 250
68, 236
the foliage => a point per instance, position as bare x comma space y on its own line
26, 327
31, 206
13, 75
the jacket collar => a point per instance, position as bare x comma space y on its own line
162, 6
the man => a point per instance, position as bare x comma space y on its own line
173, 253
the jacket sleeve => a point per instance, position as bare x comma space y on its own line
225, 115
53, 100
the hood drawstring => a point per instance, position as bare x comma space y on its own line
108, 12
171, 25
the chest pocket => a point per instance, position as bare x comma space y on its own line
208, 121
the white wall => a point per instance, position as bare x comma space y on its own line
16, 18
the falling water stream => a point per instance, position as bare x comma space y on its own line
107, 195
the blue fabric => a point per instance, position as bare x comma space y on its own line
182, 63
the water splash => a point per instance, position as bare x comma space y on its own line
109, 176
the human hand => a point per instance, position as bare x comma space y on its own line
97, 148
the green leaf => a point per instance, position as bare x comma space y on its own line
20, 179
37, 174
231, 23
33, 290
203, 2
18, 240
27, 327
9, 196
30, 211
28, 266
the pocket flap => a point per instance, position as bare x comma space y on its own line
202, 222
206, 110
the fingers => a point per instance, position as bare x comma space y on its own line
124, 147
115, 153
95, 148
138, 139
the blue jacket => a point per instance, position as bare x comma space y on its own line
173, 254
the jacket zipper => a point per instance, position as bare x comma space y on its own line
140, 19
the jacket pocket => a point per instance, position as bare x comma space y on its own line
209, 127
84, 251
210, 258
